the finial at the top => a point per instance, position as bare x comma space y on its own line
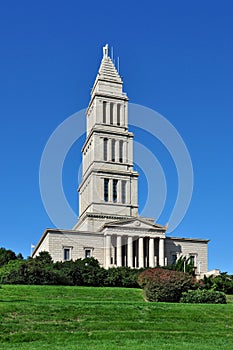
105, 51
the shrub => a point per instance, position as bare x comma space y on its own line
8, 270
85, 272
44, 258
82, 272
221, 283
203, 297
122, 277
164, 285
31, 271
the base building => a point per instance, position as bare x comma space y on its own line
109, 227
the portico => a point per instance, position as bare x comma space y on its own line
136, 252
135, 242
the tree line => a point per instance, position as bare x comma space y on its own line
159, 284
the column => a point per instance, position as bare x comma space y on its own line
119, 190
119, 251
117, 151
161, 251
130, 151
107, 251
130, 251
99, 111
110, 193
115, 114
140, 252
109, 152
125, 152
108, 113
125, 115
151, 252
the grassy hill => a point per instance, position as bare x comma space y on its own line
71, 318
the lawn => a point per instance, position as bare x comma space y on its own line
45, 317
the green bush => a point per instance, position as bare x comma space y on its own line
221, 283
31, 272
203, 297
122, 277
82, 272
86, 272
164, 285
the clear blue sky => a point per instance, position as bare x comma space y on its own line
176, 58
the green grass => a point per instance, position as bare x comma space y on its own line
44, 317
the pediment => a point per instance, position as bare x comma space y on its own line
135, 224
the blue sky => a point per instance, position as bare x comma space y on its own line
176, 57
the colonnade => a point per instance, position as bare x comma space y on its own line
115, 150
113, 113
134, 251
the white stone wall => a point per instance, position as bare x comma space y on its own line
44, 246
55, 242
187, 247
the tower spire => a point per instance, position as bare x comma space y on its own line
105, 51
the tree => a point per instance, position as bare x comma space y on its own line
183, 264
6, 255
44, 258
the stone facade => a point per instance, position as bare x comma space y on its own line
189, 247
109, 227
68, 245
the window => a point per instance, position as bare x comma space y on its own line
105, 149
67, 255
118, 114
114, 190
121, 151
106, 181
113, 150
87, 253
111, 113
104, 111
174, 259
123, 192
192, 259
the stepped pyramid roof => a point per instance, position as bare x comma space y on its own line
107, 70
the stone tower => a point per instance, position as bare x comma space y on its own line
109, 227
109, 187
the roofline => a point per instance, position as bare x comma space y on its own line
116, 223
61, 231
40, 241
189, 239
